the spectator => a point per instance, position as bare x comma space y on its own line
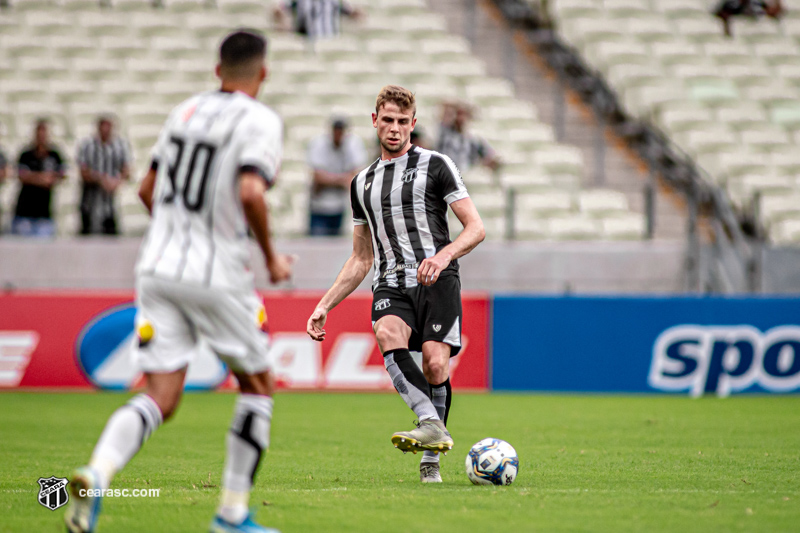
104, 161
316, 19
749, 8
39, 168
455, 141
334, 159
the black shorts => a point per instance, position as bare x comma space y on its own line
433, 313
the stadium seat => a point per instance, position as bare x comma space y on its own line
601, 203
574, 227
786, 232
682, 9
678, 53
699, 30
532, 180
777, 207
560, 159
684, 118
544, 203
651, 30
623, 227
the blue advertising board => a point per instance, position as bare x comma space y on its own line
692, 345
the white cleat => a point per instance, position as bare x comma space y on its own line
429, 473
81, 515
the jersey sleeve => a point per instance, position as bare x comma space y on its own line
447, 179
158, 153
262, 148
359, 216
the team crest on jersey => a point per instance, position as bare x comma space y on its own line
380, 305
410, 174
53, 492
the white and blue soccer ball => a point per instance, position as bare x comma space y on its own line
492, 462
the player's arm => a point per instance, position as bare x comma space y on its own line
251, 191
147, 187
472, 235
352, 274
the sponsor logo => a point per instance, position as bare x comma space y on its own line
437, 328
409, 175
107, 347
16, 349
725, 359
380, 305
53, 492
398, 268
366, 187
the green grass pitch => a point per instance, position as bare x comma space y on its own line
587, 463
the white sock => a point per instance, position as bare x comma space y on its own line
126, 431
247, 439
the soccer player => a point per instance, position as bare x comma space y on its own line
400, 215
215, 157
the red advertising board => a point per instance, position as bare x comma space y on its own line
85, 340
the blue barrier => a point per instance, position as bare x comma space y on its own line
636, 345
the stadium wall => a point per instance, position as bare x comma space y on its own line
85, 340
685, 345
694, 345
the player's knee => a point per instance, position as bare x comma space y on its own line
389, 338
168, 405
435, 370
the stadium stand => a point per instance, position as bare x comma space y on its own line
71, 60
731, 104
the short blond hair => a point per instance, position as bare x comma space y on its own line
402, 97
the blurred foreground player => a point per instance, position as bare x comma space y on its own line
400, 216
215, 157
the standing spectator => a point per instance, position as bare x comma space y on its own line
748, 8
455, 141
39, 168
334, 159
104, 161
316, 19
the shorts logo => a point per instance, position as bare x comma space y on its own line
437, 328
53, 492
409, 175
380, 305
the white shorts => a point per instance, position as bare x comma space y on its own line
172, 317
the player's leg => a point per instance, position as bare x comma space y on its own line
393, 334
232, 328
246, 442
166, 343
440, 308
391, 314
436, 367
124, 435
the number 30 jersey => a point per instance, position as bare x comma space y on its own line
198, 234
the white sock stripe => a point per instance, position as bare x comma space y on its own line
145, 405
261, 405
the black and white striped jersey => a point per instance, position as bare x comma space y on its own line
198, 234
404, 201
319, 18
108, 158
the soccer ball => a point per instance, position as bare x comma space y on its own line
492, 462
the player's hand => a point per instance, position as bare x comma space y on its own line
316, 323
280, 268
430, 268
